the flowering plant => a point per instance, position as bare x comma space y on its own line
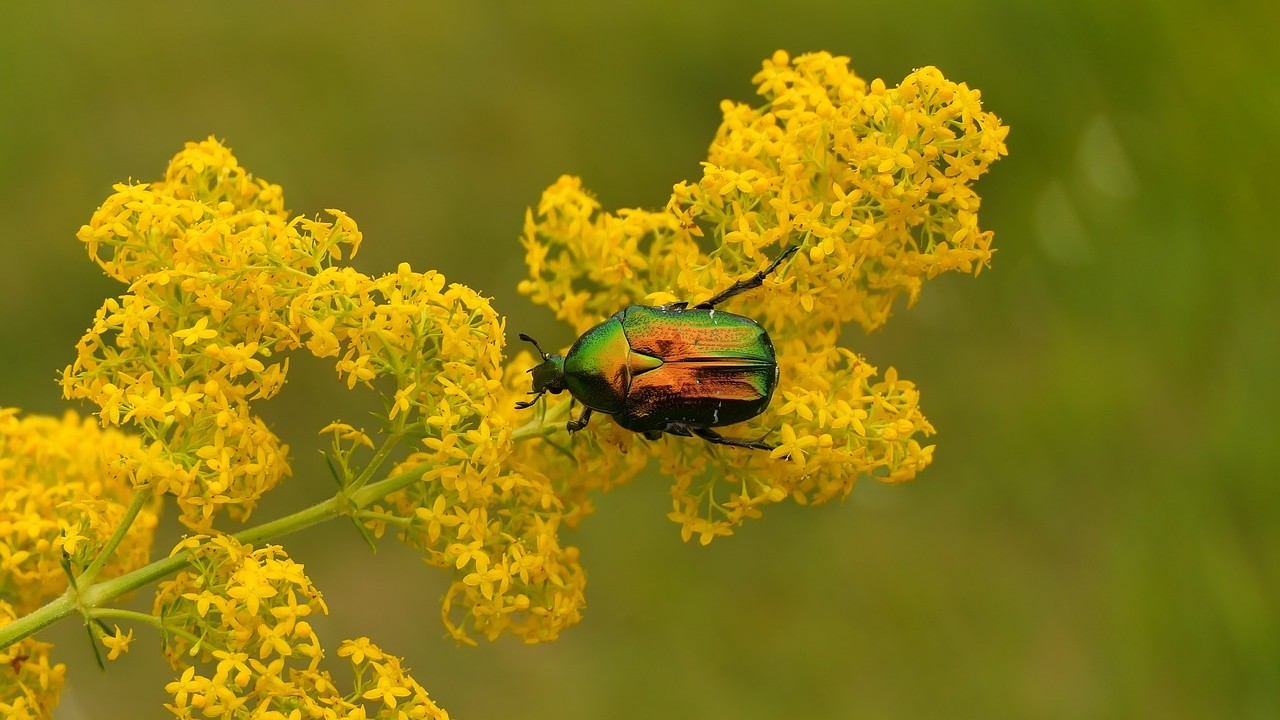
872, 183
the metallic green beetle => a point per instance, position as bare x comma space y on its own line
669, 369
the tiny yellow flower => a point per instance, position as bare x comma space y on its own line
403, 400
386, 691
196, 333
360, 650
117, 643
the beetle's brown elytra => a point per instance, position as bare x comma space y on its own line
713, 371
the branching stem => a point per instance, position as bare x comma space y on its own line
90, 598
140, 498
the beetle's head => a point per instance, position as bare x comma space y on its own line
548, 375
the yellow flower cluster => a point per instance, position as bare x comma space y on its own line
64, 488
492, 509
874, 184
222, 284
245, 615
497, 529
235, 599
212, 262
382, 688
29, 683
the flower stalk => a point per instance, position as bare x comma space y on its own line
89, 597
141, 497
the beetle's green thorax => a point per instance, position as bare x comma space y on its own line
597, 369
548, 376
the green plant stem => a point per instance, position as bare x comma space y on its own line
152, 620
88, 599
379, 456
37, 620
140, 498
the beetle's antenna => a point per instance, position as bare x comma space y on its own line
528, 339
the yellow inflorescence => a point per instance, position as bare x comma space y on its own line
236, 599
383, 688
223, 283
245, 616
874, 184
213, 263
29, 682
64, 488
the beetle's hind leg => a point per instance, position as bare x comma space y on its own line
752, 282
714, 437
671, 428
574, 426
683, 430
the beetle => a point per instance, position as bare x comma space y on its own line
669, 368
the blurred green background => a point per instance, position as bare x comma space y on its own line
1100, 534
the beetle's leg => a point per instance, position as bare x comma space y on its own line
754, 281
528, 403
575, 425
712, 436
680, 429
672, 428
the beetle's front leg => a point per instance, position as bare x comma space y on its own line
574, 426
